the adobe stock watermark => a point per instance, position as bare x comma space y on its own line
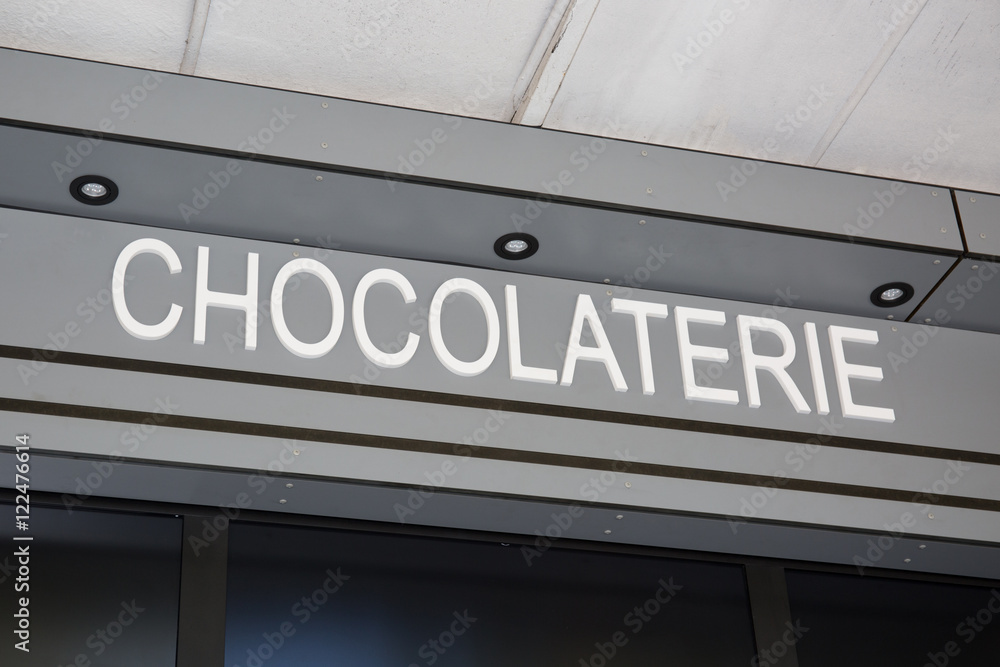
302, 611
425, 147
705, 39
437, 478
899, 14
968, 629
218, 181
784, 130
86, 312
130, 440
778, 649
432, 650
105, 636
914, 168
259, 482
121, 108
562, 522
635, 620
880, 546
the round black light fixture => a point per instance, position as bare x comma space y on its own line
516, 246
891, 295
93, 190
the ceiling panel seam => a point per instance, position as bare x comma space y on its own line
533, 106
192, 47
861, 89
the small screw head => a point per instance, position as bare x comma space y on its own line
922, 546
906, 560
642, 222
895, 329
295, 254
930, 516
975, 267
324, 144
982, 235
282, 501
927, 319
649, 191
934, 193
628, 485
296, 452
972, 199
937, 261
609, 292
295, 240
607, 532
944, 230
319, 178
620, 517
325, 104
890, 317
289, 485
644, 153
607, 280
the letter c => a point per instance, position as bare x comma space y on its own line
129, 323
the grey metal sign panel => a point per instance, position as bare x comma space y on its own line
937, 382
307, 129
968, 298
251, 199
980, 215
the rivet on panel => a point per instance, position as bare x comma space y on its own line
930, 516
642, 222
649, 191
620, 517
295, 240
890, 317
906, 560
319, 178
324, 144
934, 193
937, 261
922, 546
296, 452
607, 280
609, 292
927, 319
628, 485
944, 230
972, 199
326, 104
975, 267
295, 254
282, 501
982, 235
607, 532
644, 153
895, 329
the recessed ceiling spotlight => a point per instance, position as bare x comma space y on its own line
516, 246
891, 295
93, 190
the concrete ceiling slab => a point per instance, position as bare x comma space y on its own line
141, 33
451, 56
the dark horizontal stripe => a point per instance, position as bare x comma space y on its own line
486, 453
488, 403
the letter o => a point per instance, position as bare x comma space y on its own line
291, 343
482, 297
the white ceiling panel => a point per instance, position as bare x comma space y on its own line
140, 33
723, 76
454, 56
933, 113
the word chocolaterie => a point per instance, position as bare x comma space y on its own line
749, 328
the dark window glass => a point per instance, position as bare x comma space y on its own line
315, 597
862, 621
103, 588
